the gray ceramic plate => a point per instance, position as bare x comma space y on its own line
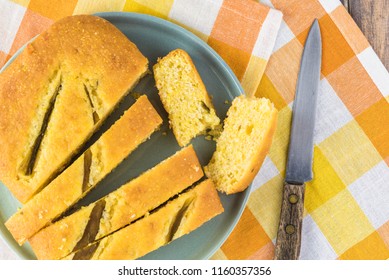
155, 38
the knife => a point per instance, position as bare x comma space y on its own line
300, 153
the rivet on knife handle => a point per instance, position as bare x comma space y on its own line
289, 231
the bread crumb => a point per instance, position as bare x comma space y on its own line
196, 168
135, 95
62, 226
215, 133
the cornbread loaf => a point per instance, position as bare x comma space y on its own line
119, 208
175, 219
243, 144
133, 128
56, 93
184, 96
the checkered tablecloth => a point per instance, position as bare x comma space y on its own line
347, 203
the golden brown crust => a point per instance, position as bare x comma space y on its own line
86, 65
133, 128
128, 203
44, 207
177, 218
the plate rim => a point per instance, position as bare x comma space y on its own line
170, 25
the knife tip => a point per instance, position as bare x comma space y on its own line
315, 28
316, 23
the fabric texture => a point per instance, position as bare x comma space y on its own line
347, 202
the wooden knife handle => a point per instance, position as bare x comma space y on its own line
289, 231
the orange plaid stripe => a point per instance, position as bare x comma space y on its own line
370, 248
239, 32
237, 59
234, 37
299, 14
375, 122
32, 25
349, 30
285, 79
53, 9
247, 238
265, 253
349, 78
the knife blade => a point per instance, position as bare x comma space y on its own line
300, 151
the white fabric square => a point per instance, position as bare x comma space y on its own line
314, 245
371, 191
331, 113
267, 36
199, 15
11, 16
330, 5
267, 3
285, 35
375, 69
267, 172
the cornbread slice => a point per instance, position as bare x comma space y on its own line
184, 96
123, 137
243, 144
177, 218
119, 208
56, 93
